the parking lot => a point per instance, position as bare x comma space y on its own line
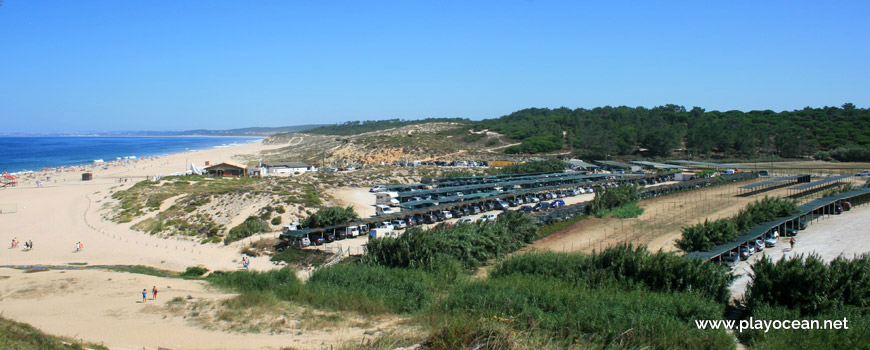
829, 237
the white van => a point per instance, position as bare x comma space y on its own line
353, 231
384, 210
387, 198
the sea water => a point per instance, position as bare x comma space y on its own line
36, 153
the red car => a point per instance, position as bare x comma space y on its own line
847, 206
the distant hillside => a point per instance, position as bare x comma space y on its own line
359, 127
830, 132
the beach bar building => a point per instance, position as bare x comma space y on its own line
227, 169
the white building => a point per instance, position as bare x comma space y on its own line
287, 167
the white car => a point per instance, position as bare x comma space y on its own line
488, 217
399, 224
386, 225
465, 220
447, 214
378, 188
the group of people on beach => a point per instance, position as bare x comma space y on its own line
245, 262
27, 245
79, 246
145, 294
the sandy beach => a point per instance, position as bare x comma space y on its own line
102, 306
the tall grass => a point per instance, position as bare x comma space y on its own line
470, 244
626, 267
250, 281
604, 317
368, 289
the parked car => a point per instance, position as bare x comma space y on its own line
429, 219
412, 221
759, 245
317, 240
525, 209
328, 237
487, 217
399, 224
751, 248
501, 205
513, 202
475, 209
838, 209
863, 174
465, 221
341, 234
731, 259
557, 203
744, 253
773, 234
386, 225
540, 206
489, 205
791, 232
378, 188
456, 212
803, 225
447, 214
847, 206
439, 216
770, 242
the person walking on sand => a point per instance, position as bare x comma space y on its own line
144, 295
154, 293
791, 241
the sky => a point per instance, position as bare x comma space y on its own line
179, 65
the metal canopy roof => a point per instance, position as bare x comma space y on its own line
773, 181
580, 163
715, 165
614, 163
821, 182
762, 228
657, 165
532, 181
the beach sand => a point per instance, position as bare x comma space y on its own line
101, 306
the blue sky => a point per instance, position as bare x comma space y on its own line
173, 65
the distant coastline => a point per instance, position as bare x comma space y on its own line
34, 153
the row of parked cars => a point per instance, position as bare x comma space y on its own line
769, 239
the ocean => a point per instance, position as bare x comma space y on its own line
36, 153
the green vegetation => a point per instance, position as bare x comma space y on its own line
195, 192
626, 267
470, 244
537, 144
625, 211
707, 235
615, 197
624, 297
837, 190
359, 127
608, 131
301, 257
806, 288
330, 216
845, 154
547, 230
535, 167
194, 271
251, 226
16, 335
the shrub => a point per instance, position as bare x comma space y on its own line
471, 245
194, 271
810, 285
711, 233
251, 226
612, 197
276, 220
492, 141
330, 216
534, 167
